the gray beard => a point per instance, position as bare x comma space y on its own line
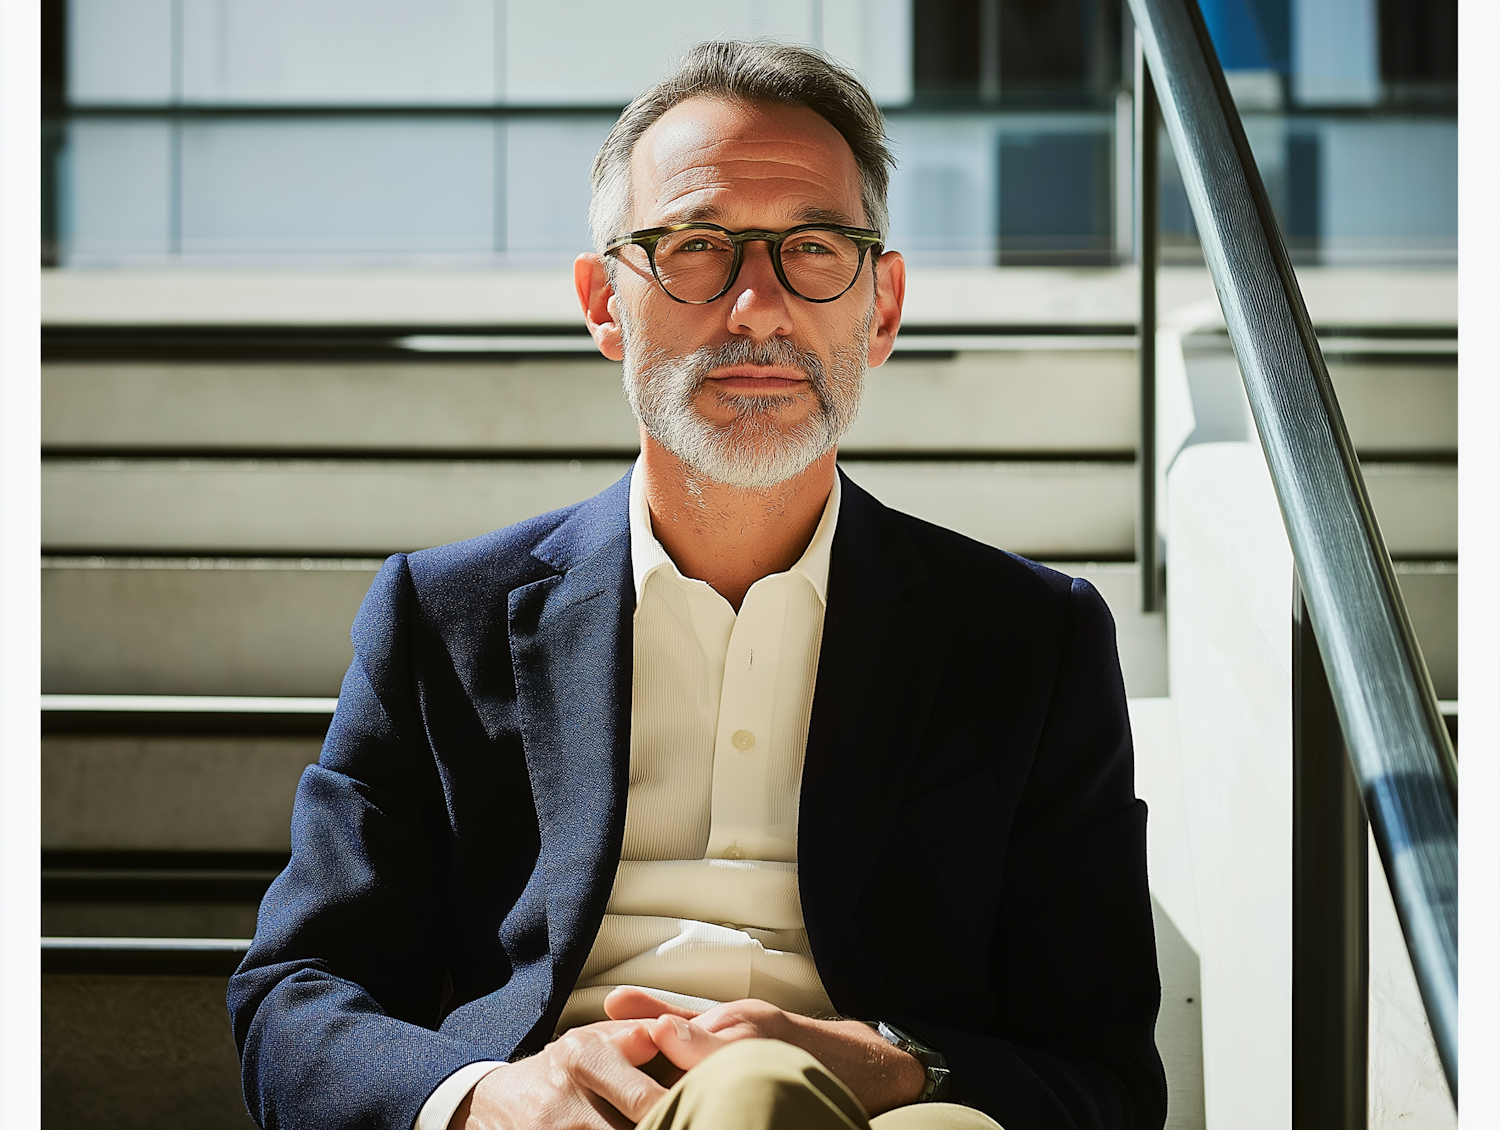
751, 452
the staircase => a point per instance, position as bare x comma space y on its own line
228, 459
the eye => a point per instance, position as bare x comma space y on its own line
698, 244
807, 246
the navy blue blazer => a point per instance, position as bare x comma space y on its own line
970, 849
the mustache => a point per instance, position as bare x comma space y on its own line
776, 353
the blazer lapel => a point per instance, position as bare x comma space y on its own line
884, 636
571, 643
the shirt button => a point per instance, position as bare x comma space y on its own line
742, 739
733, 851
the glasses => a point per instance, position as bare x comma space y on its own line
698, 263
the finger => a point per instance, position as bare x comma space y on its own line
629, 1003
686, 1045
610, 1118
610, 1069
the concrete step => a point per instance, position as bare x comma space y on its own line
190, 626
139, 1052
221, 626
281, 627
169, 793
1398, 396
1019, 399
1057, 395
1060, 509
347, 507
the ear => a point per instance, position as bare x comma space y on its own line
890, 294
597, 297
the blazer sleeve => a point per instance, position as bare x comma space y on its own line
1073, 964
335, 1005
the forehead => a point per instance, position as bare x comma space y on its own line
743, 165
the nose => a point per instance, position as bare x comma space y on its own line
760, 306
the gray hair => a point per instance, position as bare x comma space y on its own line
761, 71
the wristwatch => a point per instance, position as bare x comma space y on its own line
935, 1090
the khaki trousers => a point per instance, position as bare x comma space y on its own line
769, 1085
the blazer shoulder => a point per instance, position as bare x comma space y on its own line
971, 563
498, 562
504, 555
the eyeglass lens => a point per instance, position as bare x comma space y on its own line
694, 264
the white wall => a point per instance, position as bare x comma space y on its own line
1230, 649
1220, 844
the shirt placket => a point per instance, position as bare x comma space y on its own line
743, 743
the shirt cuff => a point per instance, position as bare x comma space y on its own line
441, 1104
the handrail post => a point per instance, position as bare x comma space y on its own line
1330, 905
1147, 255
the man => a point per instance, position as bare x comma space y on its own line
729, 797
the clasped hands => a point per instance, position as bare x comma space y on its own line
595, 1076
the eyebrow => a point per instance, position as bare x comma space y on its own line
706, 212
827, 216
712, 213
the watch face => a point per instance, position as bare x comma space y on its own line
907, 1042
929, 1057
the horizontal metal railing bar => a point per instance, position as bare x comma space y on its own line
1395, 732
143, 956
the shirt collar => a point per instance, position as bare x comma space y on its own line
647, 555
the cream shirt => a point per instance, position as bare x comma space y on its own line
705, 906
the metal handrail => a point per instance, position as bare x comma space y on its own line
1398, 745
